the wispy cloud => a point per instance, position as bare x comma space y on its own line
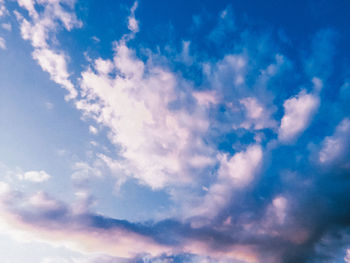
3, 9
2, 43
41, 26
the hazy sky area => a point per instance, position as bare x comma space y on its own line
156, 131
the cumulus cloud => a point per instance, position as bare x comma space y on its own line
234, 173
336, 145
278, 209
298, 113
157, 143
257, 116
34, 176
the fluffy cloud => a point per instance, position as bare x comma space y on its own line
234, 173
157, 143
34, 176
335, 146
257, 116
93, 129
298, 113
278, 209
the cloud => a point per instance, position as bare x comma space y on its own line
39, 217
133, 24
224, 27
257, 116
93, 129
55, 65
335, 146
6, 26
298, 113
28, 5
234, 173
34, 176
45, 219
2, 43
347, 257
278, 209
40, 28
156, 142
3, 10
82, 171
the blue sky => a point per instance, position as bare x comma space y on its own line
174, 131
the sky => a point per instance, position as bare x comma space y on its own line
157, 131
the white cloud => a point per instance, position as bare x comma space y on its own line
347, 257
84, 171
6, 26
298, 112
98, 238
156, 142
43, 201
133, 24
39, 30
34, 176
2, 43
4, 189
205, 98
55, 65
333, 147
234, 173
279, 207
185, 55
257, 116
3, 10
28, 5
240, 168
230, 70
93, 130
